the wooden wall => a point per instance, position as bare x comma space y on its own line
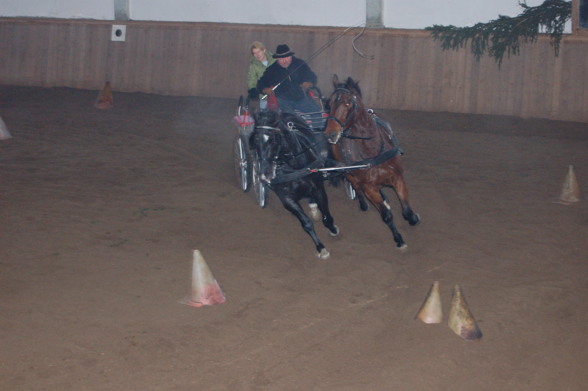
409, 70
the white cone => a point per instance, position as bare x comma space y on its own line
205, 289
431, 311
570, 192
461, 320
4, 133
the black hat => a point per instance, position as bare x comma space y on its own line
283, 51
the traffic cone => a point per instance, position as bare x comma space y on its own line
104, 100
4, 133
461, 320
205, 289
431, 311
570, 192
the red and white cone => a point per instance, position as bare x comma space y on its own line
205, 289
461, 320
105, 100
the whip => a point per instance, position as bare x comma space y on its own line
326, 46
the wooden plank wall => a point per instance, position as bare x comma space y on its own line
409, 70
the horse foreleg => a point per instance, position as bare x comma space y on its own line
294, 207
402, 192
323, 205
375, 197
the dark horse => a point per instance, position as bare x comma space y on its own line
357, 137
288, 151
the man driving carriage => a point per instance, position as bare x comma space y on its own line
288, 79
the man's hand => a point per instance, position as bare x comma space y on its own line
268, 91
306, 85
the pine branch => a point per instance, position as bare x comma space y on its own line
506, 35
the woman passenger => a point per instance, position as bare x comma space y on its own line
261, 58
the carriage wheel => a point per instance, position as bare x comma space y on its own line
349, 190
242, 162
258, 185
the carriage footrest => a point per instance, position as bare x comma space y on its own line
315, 121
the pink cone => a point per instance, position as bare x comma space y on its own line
205, 289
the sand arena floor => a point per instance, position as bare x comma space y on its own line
100, 210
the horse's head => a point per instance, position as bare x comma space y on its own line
344, 102
266, 141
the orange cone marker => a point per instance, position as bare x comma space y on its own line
105, 100
431, 311
205, 289
461, 320
570, 192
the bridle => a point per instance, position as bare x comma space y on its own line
344, 125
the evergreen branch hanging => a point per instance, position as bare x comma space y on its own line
507, 34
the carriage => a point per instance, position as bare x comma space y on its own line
289, 153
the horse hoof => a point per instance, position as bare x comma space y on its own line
324, 254
314, 212
336, 233
403, 248
416, 219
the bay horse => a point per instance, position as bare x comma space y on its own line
287, 150
357, 136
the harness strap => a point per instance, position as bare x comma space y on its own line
297, 174
381, 158
344, 135
288, 174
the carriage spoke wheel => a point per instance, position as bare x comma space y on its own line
242, 163
258, 185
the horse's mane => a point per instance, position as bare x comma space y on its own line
352, 86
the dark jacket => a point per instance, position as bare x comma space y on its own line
297, 73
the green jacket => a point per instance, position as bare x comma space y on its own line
256, 69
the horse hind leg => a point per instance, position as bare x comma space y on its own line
402, 192
307, 225
383, 207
